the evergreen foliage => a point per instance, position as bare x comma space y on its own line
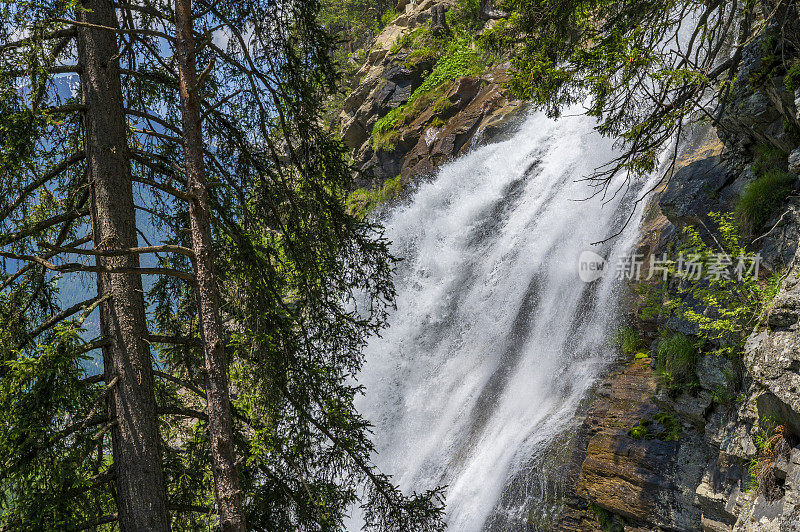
303, 284
642, 68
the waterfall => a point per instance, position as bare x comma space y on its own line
496, 340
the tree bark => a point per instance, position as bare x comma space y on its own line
226, 479
141, 493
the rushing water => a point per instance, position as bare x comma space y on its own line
496, 340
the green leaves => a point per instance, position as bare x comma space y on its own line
641, 67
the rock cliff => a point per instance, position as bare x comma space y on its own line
467, 110
730, 461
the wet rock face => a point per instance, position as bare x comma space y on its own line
644, 480
695, 191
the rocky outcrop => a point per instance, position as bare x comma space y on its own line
703, 480
478, 108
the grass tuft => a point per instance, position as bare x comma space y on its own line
762, 197
677, 360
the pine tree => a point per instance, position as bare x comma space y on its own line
300, 284
57, 471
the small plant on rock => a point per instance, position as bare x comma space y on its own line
762, 198
772, 444
677, 360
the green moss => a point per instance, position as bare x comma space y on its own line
363, 201
663, 426
388, 17
641, 355
762, 197
608, 521
641, 431
459, 61
442, 104
671, 424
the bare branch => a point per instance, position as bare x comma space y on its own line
78, 267
168, 339
120, 252
53, 320
57, 34
157, 119
180, 411
211, 108
7, 282
94, 523
41, 226
156, 134
181, 382
161, 186
151, 33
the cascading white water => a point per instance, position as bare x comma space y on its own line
495, 340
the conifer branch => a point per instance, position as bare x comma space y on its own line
121, 31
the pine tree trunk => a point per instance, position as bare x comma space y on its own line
228, 492
141, 494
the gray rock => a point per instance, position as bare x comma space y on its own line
785, 311
693, 191
780, 244
714, 372
353, 133
794, 161
717, 491
773, 360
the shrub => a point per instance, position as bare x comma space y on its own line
465, 17
772, 442
363, 201
728, 308
762, 197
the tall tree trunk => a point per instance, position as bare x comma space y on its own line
141, 494
226, 479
